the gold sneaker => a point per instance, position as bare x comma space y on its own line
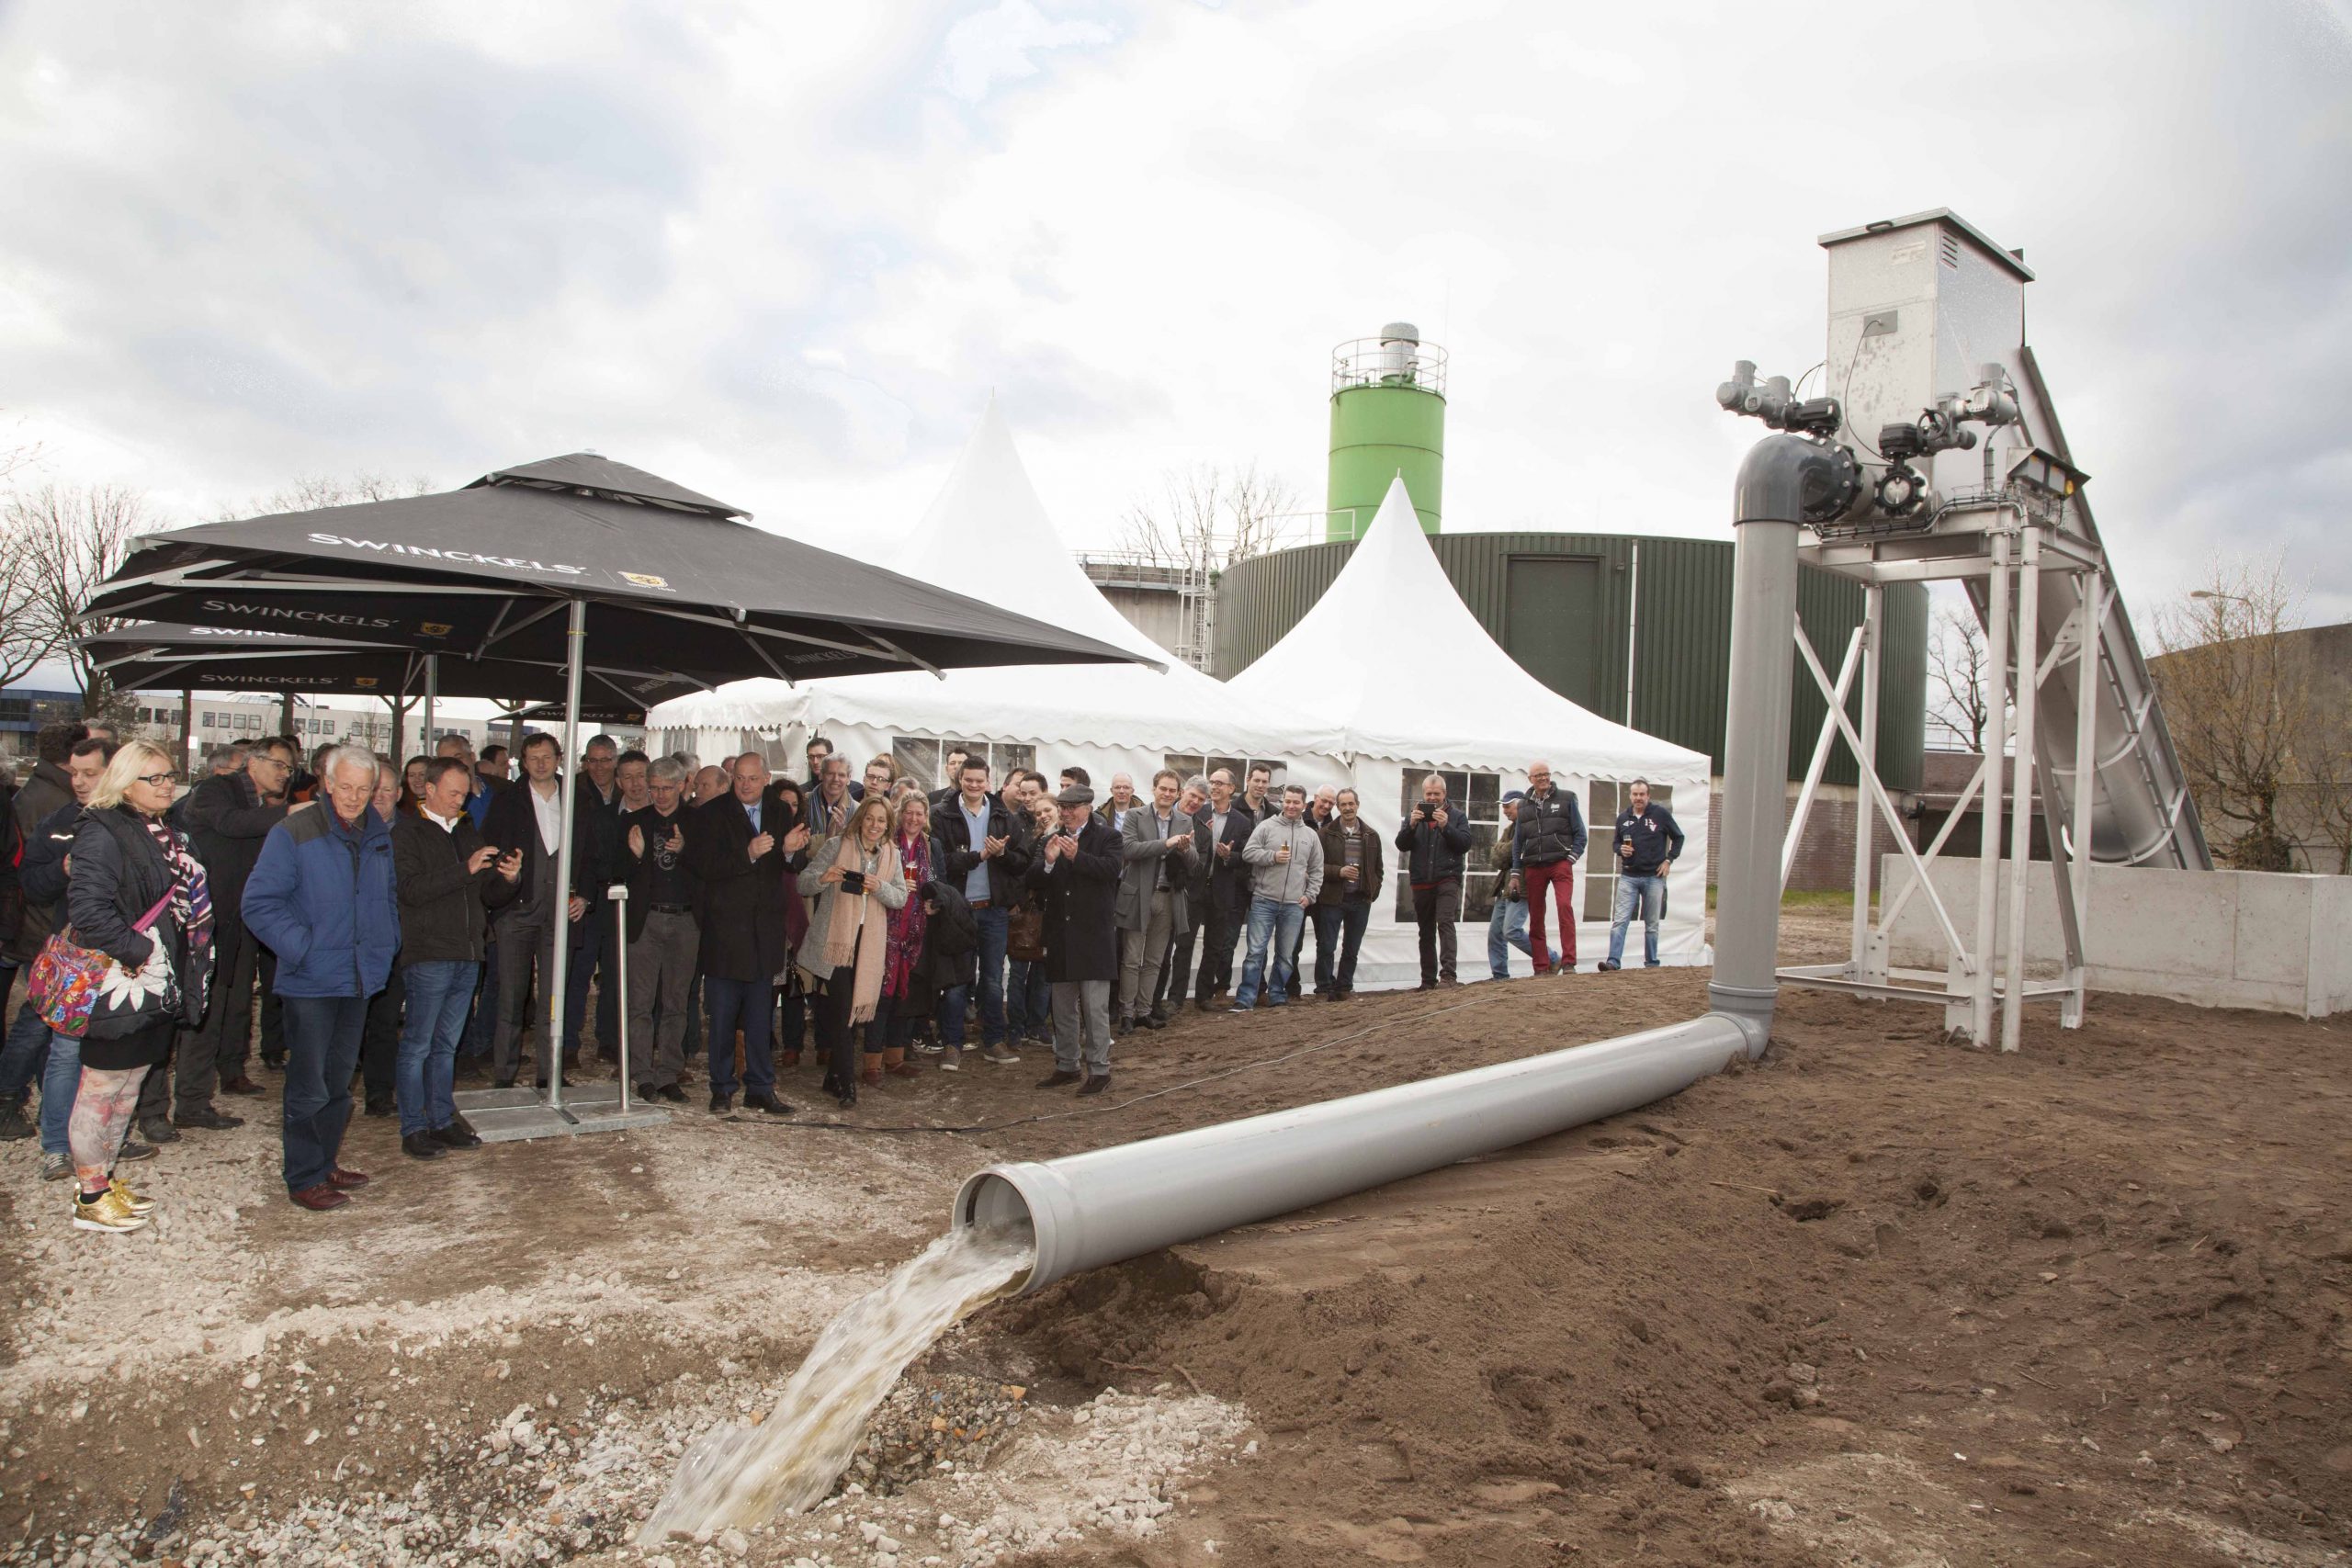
109, 1213
137, 1205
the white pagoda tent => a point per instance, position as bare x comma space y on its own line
987, 536
1415, 686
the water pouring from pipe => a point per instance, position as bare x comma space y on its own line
745, 1475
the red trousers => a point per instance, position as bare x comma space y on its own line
1560, 875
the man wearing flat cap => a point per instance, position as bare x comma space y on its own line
1077, 869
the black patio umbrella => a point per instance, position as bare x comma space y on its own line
541, 562
673, 582
165, 656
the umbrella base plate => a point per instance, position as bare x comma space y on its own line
512, 1115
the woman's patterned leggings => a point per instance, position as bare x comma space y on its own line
101, 1120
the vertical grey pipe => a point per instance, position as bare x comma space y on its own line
1768, 507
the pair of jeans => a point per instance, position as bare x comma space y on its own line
1029, 1001
1275, 925
322, 1049
21, 1055
995, 922
1436, 909
1647, 894
748, 1005
60, 1078
996, 927
439, 993
1506, 928
1560, 876
1339, 937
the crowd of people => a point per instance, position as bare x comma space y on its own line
348, 917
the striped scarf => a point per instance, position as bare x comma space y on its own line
191, 893
908, 920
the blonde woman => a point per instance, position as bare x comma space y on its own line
137, 893
856, 881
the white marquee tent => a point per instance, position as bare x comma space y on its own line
1388, 677
987, 536
1415, 684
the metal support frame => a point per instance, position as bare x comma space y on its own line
1984, 989
618, 894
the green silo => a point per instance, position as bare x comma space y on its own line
1388, 418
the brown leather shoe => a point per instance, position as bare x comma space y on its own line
321, 1198
239, 1084
345, 1181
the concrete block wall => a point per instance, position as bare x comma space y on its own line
2272, 942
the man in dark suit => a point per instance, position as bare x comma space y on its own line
1077, 868
746, 848
1229, 824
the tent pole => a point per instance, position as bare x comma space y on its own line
575, 635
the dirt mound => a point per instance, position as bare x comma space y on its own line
1877, 1290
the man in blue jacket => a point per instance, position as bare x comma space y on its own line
321, 896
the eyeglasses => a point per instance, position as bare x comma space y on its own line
157, 780
280, 763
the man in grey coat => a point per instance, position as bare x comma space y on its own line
1156, 852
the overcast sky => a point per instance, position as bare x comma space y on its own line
782, 253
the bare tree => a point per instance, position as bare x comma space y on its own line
2237, 704
315, 491
1208, 516
1956, 664
70, 538
2326, 753
24, 639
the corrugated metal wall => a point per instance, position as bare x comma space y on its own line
1683, 637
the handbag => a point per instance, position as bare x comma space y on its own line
78, 991
1024, 933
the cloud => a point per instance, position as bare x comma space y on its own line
786, 259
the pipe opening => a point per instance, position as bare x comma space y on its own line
989, 1201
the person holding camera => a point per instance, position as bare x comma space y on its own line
1433, 841
446, 880
1077, 869
1549, 839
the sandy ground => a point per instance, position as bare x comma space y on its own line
1877, 1300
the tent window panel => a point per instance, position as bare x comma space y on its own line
1002, 760
918, 760
1237, 766
1485, 797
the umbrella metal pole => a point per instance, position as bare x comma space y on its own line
432, 685
619, 896
575, 635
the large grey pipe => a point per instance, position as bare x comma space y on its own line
1111, 1204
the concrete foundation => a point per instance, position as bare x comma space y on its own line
2236, 939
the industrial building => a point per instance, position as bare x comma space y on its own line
1634, 628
